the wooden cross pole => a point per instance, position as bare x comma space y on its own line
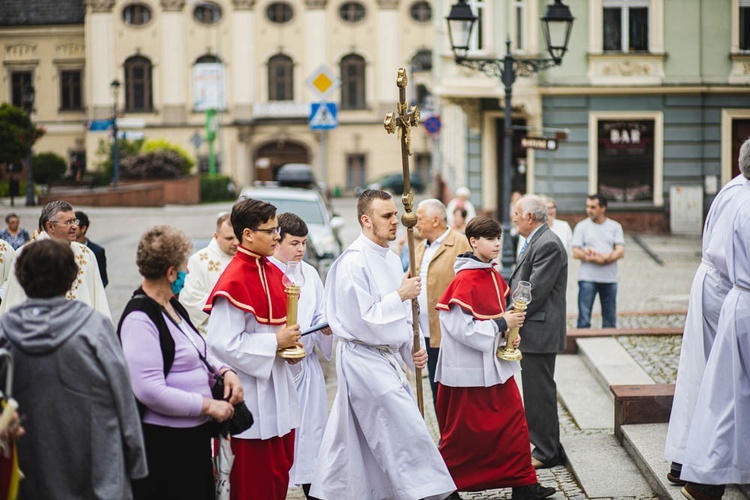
402, 121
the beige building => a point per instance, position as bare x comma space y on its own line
249, 59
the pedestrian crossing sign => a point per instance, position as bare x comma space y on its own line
323, 116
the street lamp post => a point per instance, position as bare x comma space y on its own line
28, 106
557, 24
115, 86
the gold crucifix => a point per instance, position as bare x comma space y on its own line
403, 121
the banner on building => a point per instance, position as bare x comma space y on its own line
208, 86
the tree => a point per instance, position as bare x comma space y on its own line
48, 167
17, 134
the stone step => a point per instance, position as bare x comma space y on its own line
603, 468
645, 445
578, 390
610, 363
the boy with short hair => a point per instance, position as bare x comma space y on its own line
485, 438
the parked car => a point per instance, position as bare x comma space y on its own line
395, 183
296, 175
324, 241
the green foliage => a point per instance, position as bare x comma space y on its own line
161, 145
125, 148
48, 167
216, 188
17, 134
159, 164
5, 189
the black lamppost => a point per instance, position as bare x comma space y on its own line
557, 24
115, 86
28, 106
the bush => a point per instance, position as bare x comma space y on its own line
48, 167
216, 188
153, 145
161, 164
5, 190
125, 149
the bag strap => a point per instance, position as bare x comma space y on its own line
201, 355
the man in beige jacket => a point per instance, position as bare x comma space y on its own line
434, 259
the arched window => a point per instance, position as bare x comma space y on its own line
280, 78
279, 12
352, 12
136, 14
352, 82
422, 60
207, 13
138, 96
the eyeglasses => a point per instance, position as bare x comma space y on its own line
69, 222
273, 230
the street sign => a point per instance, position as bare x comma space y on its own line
100, 125
544, 143
432, 124
323, 116
323, 82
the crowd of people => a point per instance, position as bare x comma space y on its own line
204, 335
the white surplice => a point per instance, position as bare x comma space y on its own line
238, 340
710, 286
718, 445
308, 376
87, 287
204, 268
376, 444
6, 264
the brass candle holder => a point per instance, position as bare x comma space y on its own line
521, 299
293, 281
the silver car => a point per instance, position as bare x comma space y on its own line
324, 242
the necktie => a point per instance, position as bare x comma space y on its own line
523, 249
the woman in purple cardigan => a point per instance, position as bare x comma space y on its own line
177, 407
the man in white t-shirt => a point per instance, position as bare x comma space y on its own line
598, 243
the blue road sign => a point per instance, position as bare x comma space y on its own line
100, 125
432, 124
323, 116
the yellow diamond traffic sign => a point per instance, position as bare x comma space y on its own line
323, 82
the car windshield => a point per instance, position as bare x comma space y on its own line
309, 210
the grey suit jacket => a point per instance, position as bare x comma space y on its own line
545, 265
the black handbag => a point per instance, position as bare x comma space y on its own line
242, 419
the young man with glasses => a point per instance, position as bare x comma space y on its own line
246, 328
58, 221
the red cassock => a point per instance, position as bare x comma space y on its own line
484, 436
261, 466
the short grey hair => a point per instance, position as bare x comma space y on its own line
51, 209
744, 159
434, 206
534, 205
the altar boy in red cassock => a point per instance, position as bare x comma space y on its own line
245, 330
485, 439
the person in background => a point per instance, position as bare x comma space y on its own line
101, 257
558, 226
70, 380
459, 220
204, 268
308, 374
167, 359
461, 200
13, 233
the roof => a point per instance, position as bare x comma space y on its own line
41, 12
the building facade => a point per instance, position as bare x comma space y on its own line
248, 59
649, 106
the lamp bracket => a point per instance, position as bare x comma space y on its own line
495, 67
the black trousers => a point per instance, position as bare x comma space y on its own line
179, 464
540, 403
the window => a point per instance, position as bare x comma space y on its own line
477, 35
626, 160
70, 90
280, 78
625, 25
138, 84
352, 12
207, 13
745, 25
19, 80
355, 170
279, 12
422, 163
136, 14
422, 60
352, 82
421, 11
519, 14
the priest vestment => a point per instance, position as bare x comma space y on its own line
485, 438
248, 306
204, 268
308, 376
6, 265
718, 444
376, 444
710, 287
87, 287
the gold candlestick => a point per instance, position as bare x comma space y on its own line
293, 281
521, 299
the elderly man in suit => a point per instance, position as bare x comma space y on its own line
434, 259
543, 262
